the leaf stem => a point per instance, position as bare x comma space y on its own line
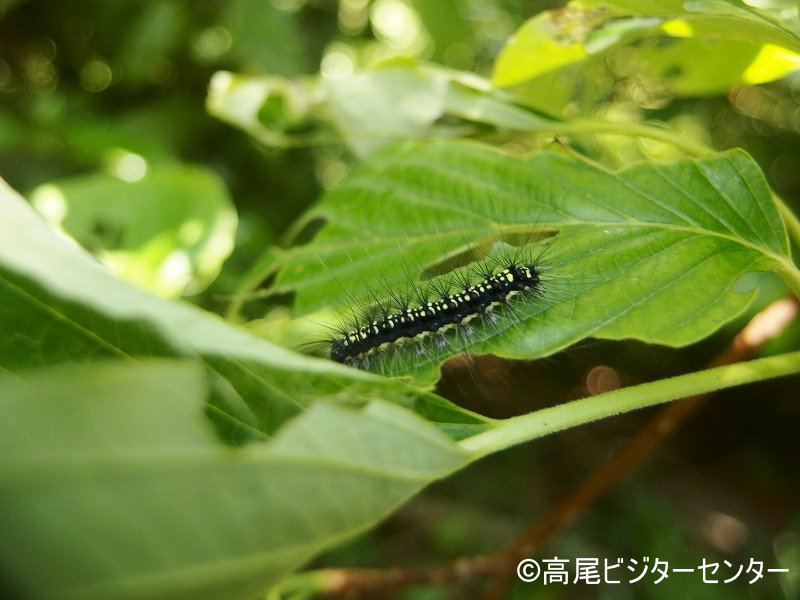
662, 134
549, 420
790, 219
790, 275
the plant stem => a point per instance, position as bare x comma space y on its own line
791, 221
790, 275
549, 420
635, 130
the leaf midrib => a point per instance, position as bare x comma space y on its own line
627, 224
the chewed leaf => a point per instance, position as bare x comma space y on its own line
648, 252
168, 232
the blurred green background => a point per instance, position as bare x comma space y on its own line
94, 95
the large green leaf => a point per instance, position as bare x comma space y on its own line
112, 484
60, 305
649, 252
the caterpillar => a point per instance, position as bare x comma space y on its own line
441, 318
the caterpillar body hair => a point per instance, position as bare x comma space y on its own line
438, 319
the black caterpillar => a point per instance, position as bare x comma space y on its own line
353, 347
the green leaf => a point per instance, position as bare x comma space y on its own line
535, 48
61, 305
267, 107
724, 19
744, 44
112, 484
649, 252
168, 230
725, 63
371, 109
374, 108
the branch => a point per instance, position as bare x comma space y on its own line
501, 564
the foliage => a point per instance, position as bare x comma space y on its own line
696, 244
153, 448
